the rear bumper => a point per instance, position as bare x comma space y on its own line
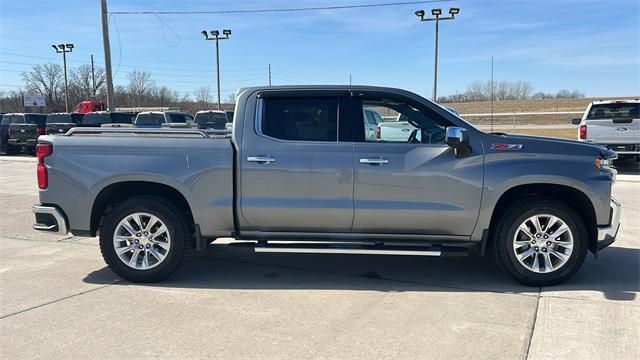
607, 234
51, 219
624, 149
20, 142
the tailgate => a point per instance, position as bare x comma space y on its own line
613, 131
59, 128
23, 131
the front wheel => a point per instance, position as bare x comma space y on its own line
540, 242
143, 238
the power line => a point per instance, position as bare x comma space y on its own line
313, 8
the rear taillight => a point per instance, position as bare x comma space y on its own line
582, 132
42, 151
378, 133
41, 131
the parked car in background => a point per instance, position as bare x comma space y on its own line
24, 129
60, 123
614, 124
211, 119
155, 119
110, 119
4, 134
229, 114
298, 166
89, 106
371, 119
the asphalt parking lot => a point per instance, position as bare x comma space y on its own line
59, 300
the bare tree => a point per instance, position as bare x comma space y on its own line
48, 80
140, 86
202, 94
81, 81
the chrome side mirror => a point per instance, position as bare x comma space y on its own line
458, 139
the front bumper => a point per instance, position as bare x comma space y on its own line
51, 219
607, 234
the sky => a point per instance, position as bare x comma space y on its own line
590, 46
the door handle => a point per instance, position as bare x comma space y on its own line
374, 161
261, 159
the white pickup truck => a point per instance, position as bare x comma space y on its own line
614, 124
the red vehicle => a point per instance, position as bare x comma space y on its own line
89, 106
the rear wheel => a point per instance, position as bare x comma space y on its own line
540, 242
143, 239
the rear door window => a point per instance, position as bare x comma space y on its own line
301, 119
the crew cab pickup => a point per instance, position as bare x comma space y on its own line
60, 123
299, 175
24, 129
614, 124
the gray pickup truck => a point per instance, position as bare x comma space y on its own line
299, 175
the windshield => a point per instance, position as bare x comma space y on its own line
180, 118
614, 111
58, 118
150, 119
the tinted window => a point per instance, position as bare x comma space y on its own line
213, 120
6, 120
179, 118
229, 116
15, 119
58, 118
614, 111
95, 119
122, 118
150, 119
302, 119
77, 118
39, 119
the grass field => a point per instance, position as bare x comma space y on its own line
516, 106
558, 133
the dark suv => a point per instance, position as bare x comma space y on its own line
24, 129
100, 118
60, 123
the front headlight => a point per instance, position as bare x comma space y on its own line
604, 164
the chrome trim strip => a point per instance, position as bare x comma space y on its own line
261, 249
611, 230
61, 222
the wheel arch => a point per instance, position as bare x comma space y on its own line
116, 192
571, 196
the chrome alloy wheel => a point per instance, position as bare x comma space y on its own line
141, 241
543, 243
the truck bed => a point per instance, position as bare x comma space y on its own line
88, 161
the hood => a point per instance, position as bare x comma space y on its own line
541, 144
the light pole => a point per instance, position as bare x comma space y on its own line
64, 49
215, 35
437, 13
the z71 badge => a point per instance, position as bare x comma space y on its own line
507, 147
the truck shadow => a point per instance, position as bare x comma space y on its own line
615, 274
627, 167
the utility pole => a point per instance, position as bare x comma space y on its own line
349, 79
436, 13
93, 78
111, 99
492, 91
269, 74
64, 49
215, 35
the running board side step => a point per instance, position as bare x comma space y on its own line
304, 248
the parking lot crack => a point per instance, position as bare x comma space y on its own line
55, 301
533, 325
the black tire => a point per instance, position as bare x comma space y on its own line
516, 214
172, 216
